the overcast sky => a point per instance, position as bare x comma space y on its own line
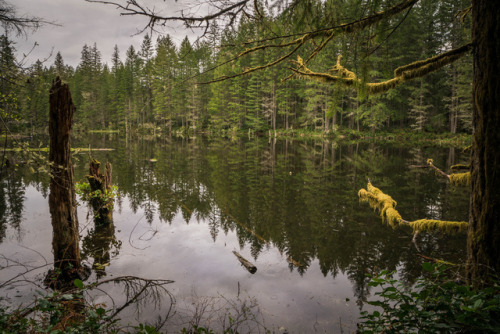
83, 23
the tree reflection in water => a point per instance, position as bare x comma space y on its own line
297, 197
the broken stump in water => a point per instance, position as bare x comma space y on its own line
62, 198
101, 198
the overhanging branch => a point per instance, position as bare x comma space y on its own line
417, 69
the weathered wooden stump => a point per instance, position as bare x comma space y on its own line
101, 198
62, 198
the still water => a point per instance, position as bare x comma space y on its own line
289, 207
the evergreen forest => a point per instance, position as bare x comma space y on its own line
177, 161
161, 87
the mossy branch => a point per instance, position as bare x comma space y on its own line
460, 166
417, 69
301, 38
460, 179
385, 205
438, 225
457, 179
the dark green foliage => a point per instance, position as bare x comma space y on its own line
436, 303
56, 313
157, 88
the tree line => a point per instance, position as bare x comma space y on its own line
161, 86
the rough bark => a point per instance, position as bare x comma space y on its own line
483, 242
100, 186
62, 198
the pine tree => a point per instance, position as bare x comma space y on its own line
130, 86
9, 109
164, 71
146, 78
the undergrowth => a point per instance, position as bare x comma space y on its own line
437, 303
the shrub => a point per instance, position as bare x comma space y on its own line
436, 303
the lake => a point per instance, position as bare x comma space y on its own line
289, 207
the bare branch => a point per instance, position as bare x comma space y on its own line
21, 25
223, 10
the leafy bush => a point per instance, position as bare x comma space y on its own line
56, 313
436, 303
84, 191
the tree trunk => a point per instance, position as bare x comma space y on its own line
62, 199
483, 242
453, 102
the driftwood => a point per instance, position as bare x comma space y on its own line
247, 264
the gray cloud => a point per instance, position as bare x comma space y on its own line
84, 23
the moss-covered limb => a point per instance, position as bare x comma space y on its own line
457, 179
460, 166
438, 225
300, 39
385, 205
432, 63
430, 163
460, 179
414, 70
257, 68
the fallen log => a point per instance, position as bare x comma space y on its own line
247, 264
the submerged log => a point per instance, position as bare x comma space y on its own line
62, 198
247, 264
101, 199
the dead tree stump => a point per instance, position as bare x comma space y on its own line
101, 198
62, 198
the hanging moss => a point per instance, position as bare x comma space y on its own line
380, 87
421, 67
460, 179
381, 202
385, 205
438, 225
417, 69
342, 71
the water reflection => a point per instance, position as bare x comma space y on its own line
12, 191
299, 198
101, 244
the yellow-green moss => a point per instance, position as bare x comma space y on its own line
438, 225
460, 179
460, 166
381, 202
385, 205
